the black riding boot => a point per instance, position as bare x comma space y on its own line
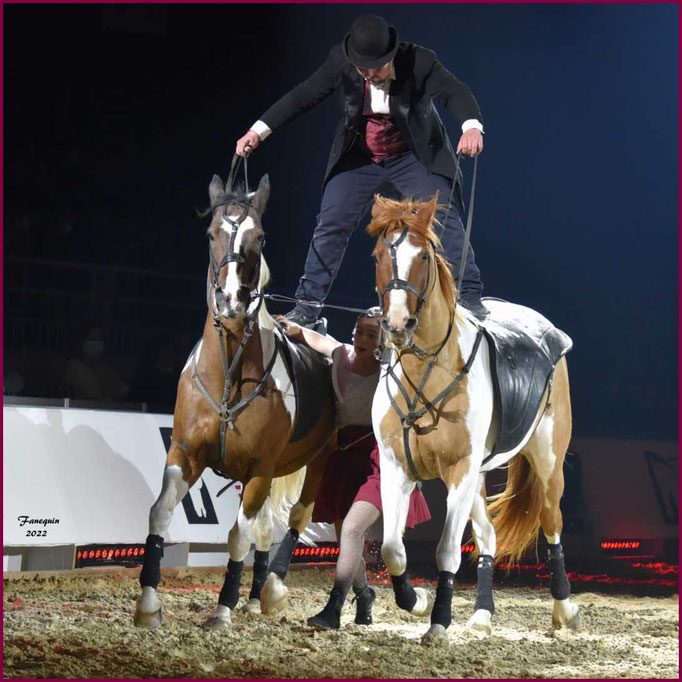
330, 616
363, 611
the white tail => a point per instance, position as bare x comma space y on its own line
284, 493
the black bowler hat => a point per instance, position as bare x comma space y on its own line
371, 42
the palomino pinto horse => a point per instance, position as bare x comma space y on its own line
437, 413
239, 409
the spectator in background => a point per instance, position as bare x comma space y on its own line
89, 375
156, 380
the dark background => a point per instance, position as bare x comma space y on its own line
117, 116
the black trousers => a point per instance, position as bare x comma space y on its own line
347, 199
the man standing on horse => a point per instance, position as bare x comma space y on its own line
390, 139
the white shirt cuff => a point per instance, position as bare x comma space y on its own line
469, 124
261, 129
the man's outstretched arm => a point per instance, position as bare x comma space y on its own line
451, 93
297, 101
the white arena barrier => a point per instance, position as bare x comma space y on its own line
83, 476
75, 477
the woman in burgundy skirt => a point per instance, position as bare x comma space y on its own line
350, 492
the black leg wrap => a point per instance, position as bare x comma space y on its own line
442, 607
260, 573
150, 575
280, 564
559, 585
405, 596
229, 594
484, 593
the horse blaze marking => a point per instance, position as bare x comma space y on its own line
193, 516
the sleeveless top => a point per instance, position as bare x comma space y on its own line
353, 392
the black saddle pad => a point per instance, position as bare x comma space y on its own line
524, 349
311, 376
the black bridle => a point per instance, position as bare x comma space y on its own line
408, 419
227, 413
402, 284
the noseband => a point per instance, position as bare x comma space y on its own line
413, 413
228, 413
396, 282
231, 256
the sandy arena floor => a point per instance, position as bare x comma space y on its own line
80, 625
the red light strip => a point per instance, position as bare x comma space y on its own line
620, 544
104, 553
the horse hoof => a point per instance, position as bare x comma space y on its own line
251, 606
424, 604
435, 633
566, 615
215, 623
273, 596
220, 620
149, 620
480, 623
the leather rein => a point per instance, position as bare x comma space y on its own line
227, 413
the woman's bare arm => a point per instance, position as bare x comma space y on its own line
324, 345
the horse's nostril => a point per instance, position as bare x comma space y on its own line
411, 324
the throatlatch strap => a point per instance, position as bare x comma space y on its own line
229, 594
405, 596
559, 585
484, 590
280, 564
442, 607
150, 575
260, 572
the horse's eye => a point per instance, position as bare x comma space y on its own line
425, 256
210, 237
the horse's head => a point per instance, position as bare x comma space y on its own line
236, 242
407, 263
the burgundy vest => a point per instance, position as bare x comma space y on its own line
381, 135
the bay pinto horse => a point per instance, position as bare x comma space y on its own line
435, 415
239, 410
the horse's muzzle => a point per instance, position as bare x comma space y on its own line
399, 338
227, 307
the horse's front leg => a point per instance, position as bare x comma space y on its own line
461, 481
274, 595
486, 543
262, 534
396, 489
148, 611
238, 544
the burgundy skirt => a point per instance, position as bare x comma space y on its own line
353, 475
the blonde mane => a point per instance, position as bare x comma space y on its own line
390, 215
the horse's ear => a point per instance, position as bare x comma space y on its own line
428, 210
215, 189
261, 195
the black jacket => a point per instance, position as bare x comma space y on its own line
420, 79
